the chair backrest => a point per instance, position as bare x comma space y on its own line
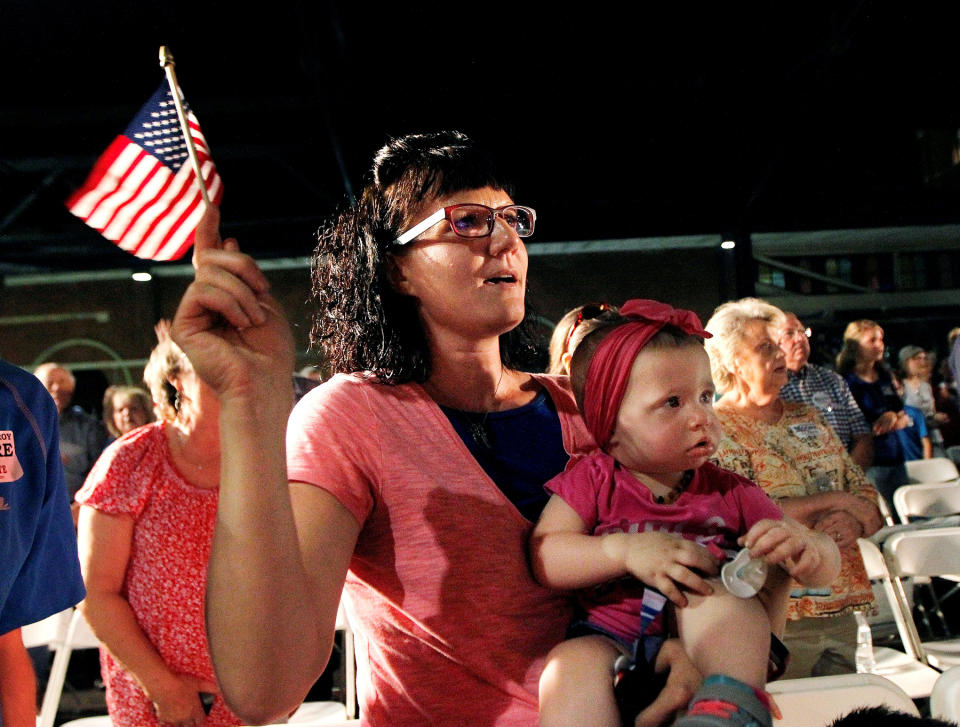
945, 697
929, 499
49, 632
818, 701
872, 560
937, 469
930, 552
54, 631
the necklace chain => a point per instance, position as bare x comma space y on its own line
674, 495
478, 421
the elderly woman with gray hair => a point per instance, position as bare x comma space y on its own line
126, 408
794, 455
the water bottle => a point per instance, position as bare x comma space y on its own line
865, 661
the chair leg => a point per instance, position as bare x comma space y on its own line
938, 610
921, 609
351, 673
54, 690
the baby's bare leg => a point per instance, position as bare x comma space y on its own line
726, 635
576, 687
775, 597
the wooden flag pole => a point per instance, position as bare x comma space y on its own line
166, 62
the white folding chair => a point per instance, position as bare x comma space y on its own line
48, 632
945, 697
926, 500
349, 662
936, 469
68, 630
818, 701
62, 633
328, 713
932, 552
929, 500
907, 670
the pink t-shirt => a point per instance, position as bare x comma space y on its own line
451, 627
717, 506
166, 577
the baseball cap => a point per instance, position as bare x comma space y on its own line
908, 352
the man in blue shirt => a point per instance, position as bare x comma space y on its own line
39, 567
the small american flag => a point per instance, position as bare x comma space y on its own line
142, 193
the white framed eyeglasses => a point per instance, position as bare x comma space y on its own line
475, 220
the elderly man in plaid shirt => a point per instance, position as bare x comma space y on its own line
824, 389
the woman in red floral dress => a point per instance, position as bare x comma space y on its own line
146, 525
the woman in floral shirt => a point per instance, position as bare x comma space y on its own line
790, 450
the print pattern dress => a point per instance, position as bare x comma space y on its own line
797, 456
167, 571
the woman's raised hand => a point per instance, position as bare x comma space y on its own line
232, 330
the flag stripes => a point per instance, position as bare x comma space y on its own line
141, 194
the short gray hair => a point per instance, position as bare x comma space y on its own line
727, 325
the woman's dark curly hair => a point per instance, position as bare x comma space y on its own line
360, 322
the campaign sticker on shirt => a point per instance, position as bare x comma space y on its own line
806, 430
822, 401
10, 469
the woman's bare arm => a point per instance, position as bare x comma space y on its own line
270, 616
808, 509
280, 553
104, 543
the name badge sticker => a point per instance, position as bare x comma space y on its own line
806, 430
822, 401
10, 469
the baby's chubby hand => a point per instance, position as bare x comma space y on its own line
810, 557
668, 563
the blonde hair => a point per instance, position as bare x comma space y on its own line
727, 325
166, 361
568, 334
847, 358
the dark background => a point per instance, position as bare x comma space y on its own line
637, 121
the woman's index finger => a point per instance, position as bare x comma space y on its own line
207, 235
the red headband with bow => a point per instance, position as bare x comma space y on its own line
609, 370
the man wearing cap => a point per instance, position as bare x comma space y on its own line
825, 390
916, 365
